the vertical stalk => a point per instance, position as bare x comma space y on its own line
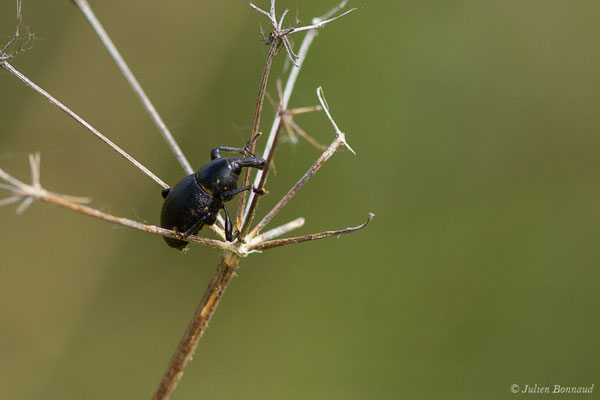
273, 50
187, 346
261, 176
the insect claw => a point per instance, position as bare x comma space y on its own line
179, 235
239, 238
259, 191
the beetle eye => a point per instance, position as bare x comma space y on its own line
237, 169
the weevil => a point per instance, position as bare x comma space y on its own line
196, 200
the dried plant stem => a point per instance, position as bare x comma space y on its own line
269, 244
261, 176
321, 22
273, 49
234, 251
225, 271
51, 99
35, 191
162, 128
280, 230
294, 129
340, 140
141, 94
92, 212
230, 260
249, 208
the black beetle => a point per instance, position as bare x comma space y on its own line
196, 200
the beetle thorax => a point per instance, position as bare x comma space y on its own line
217, 177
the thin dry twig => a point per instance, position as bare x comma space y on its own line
340, 140
280, 230
322, 22
291, 126
107, 42
4, 64
295, 129
269, 244
273, 50
67, 110
34, 191
27, 193
144, 99
261, 176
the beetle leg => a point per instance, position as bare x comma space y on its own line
229, 195
229, 235
250, 143
226, 196
216, 152
196, 226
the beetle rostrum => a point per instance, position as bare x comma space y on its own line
196, 200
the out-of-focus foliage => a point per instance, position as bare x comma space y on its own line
476, 128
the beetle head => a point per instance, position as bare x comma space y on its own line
219, 176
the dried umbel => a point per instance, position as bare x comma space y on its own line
240, 239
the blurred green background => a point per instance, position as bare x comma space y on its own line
476, 128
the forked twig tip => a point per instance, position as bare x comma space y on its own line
346, 145
341, 136
327, 18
